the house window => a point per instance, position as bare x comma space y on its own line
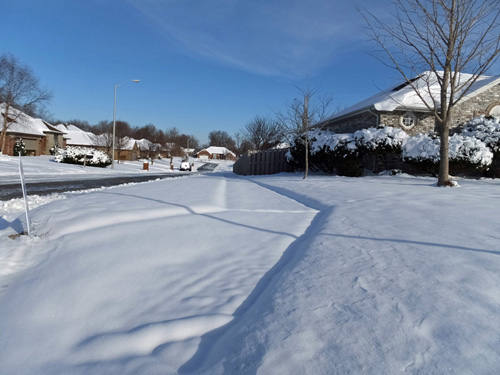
408, 120
495, 111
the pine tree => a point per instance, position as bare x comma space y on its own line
20, 148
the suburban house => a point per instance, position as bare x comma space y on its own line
38, 135
213, 152
79, 138
127, 149
149, 149
401, 107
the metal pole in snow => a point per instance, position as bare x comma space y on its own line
23, 186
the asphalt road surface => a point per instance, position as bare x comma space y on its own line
10, 191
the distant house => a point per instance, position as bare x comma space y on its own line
38, 135
401, 107
127, 149
77, 137
148, 149
219, 153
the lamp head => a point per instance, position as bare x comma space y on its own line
135, 80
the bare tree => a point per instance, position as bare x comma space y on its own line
300, 115
122, 134
263, 132
172, 142
446, 38
221, 138
103, 131
19, 88
242, 144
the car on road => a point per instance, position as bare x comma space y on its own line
185, 166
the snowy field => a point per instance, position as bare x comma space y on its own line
220, 274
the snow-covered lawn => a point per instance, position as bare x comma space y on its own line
37, 168
220, 274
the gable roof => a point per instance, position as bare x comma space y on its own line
21, 123
404, 96
128, 144
218, 150
146, 145
78, 137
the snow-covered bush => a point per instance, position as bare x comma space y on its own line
336, 152
296, 154
342, 144
384, 139
343, 152
327, 152
485, 129
421, 148
77, 155
463, 150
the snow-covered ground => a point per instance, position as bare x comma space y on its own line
47, 169
220, 274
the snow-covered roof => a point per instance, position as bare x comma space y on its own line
218, 150
404, 96
77, 137
21, 123
128, 143
146, 145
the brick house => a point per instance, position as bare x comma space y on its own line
127, 149
38, 135
213, 152
401, 107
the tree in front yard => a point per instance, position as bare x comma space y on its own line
19, 88
20, 148
445, 38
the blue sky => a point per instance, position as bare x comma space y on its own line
203, 64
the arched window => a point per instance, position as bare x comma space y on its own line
495, 111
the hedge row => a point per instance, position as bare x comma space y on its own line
471, 150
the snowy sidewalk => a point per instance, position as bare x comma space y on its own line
126, 280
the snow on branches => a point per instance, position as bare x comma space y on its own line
81, 155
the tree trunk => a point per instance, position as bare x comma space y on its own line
443, 176
4, 128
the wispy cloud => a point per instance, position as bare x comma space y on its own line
269, 37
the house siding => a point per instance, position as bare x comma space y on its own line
475, 106
351, 124
34, 144
425, 121
50, 141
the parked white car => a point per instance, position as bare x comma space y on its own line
185, 166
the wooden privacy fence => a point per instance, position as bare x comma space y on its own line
262, 162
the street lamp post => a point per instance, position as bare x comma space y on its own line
114, 122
